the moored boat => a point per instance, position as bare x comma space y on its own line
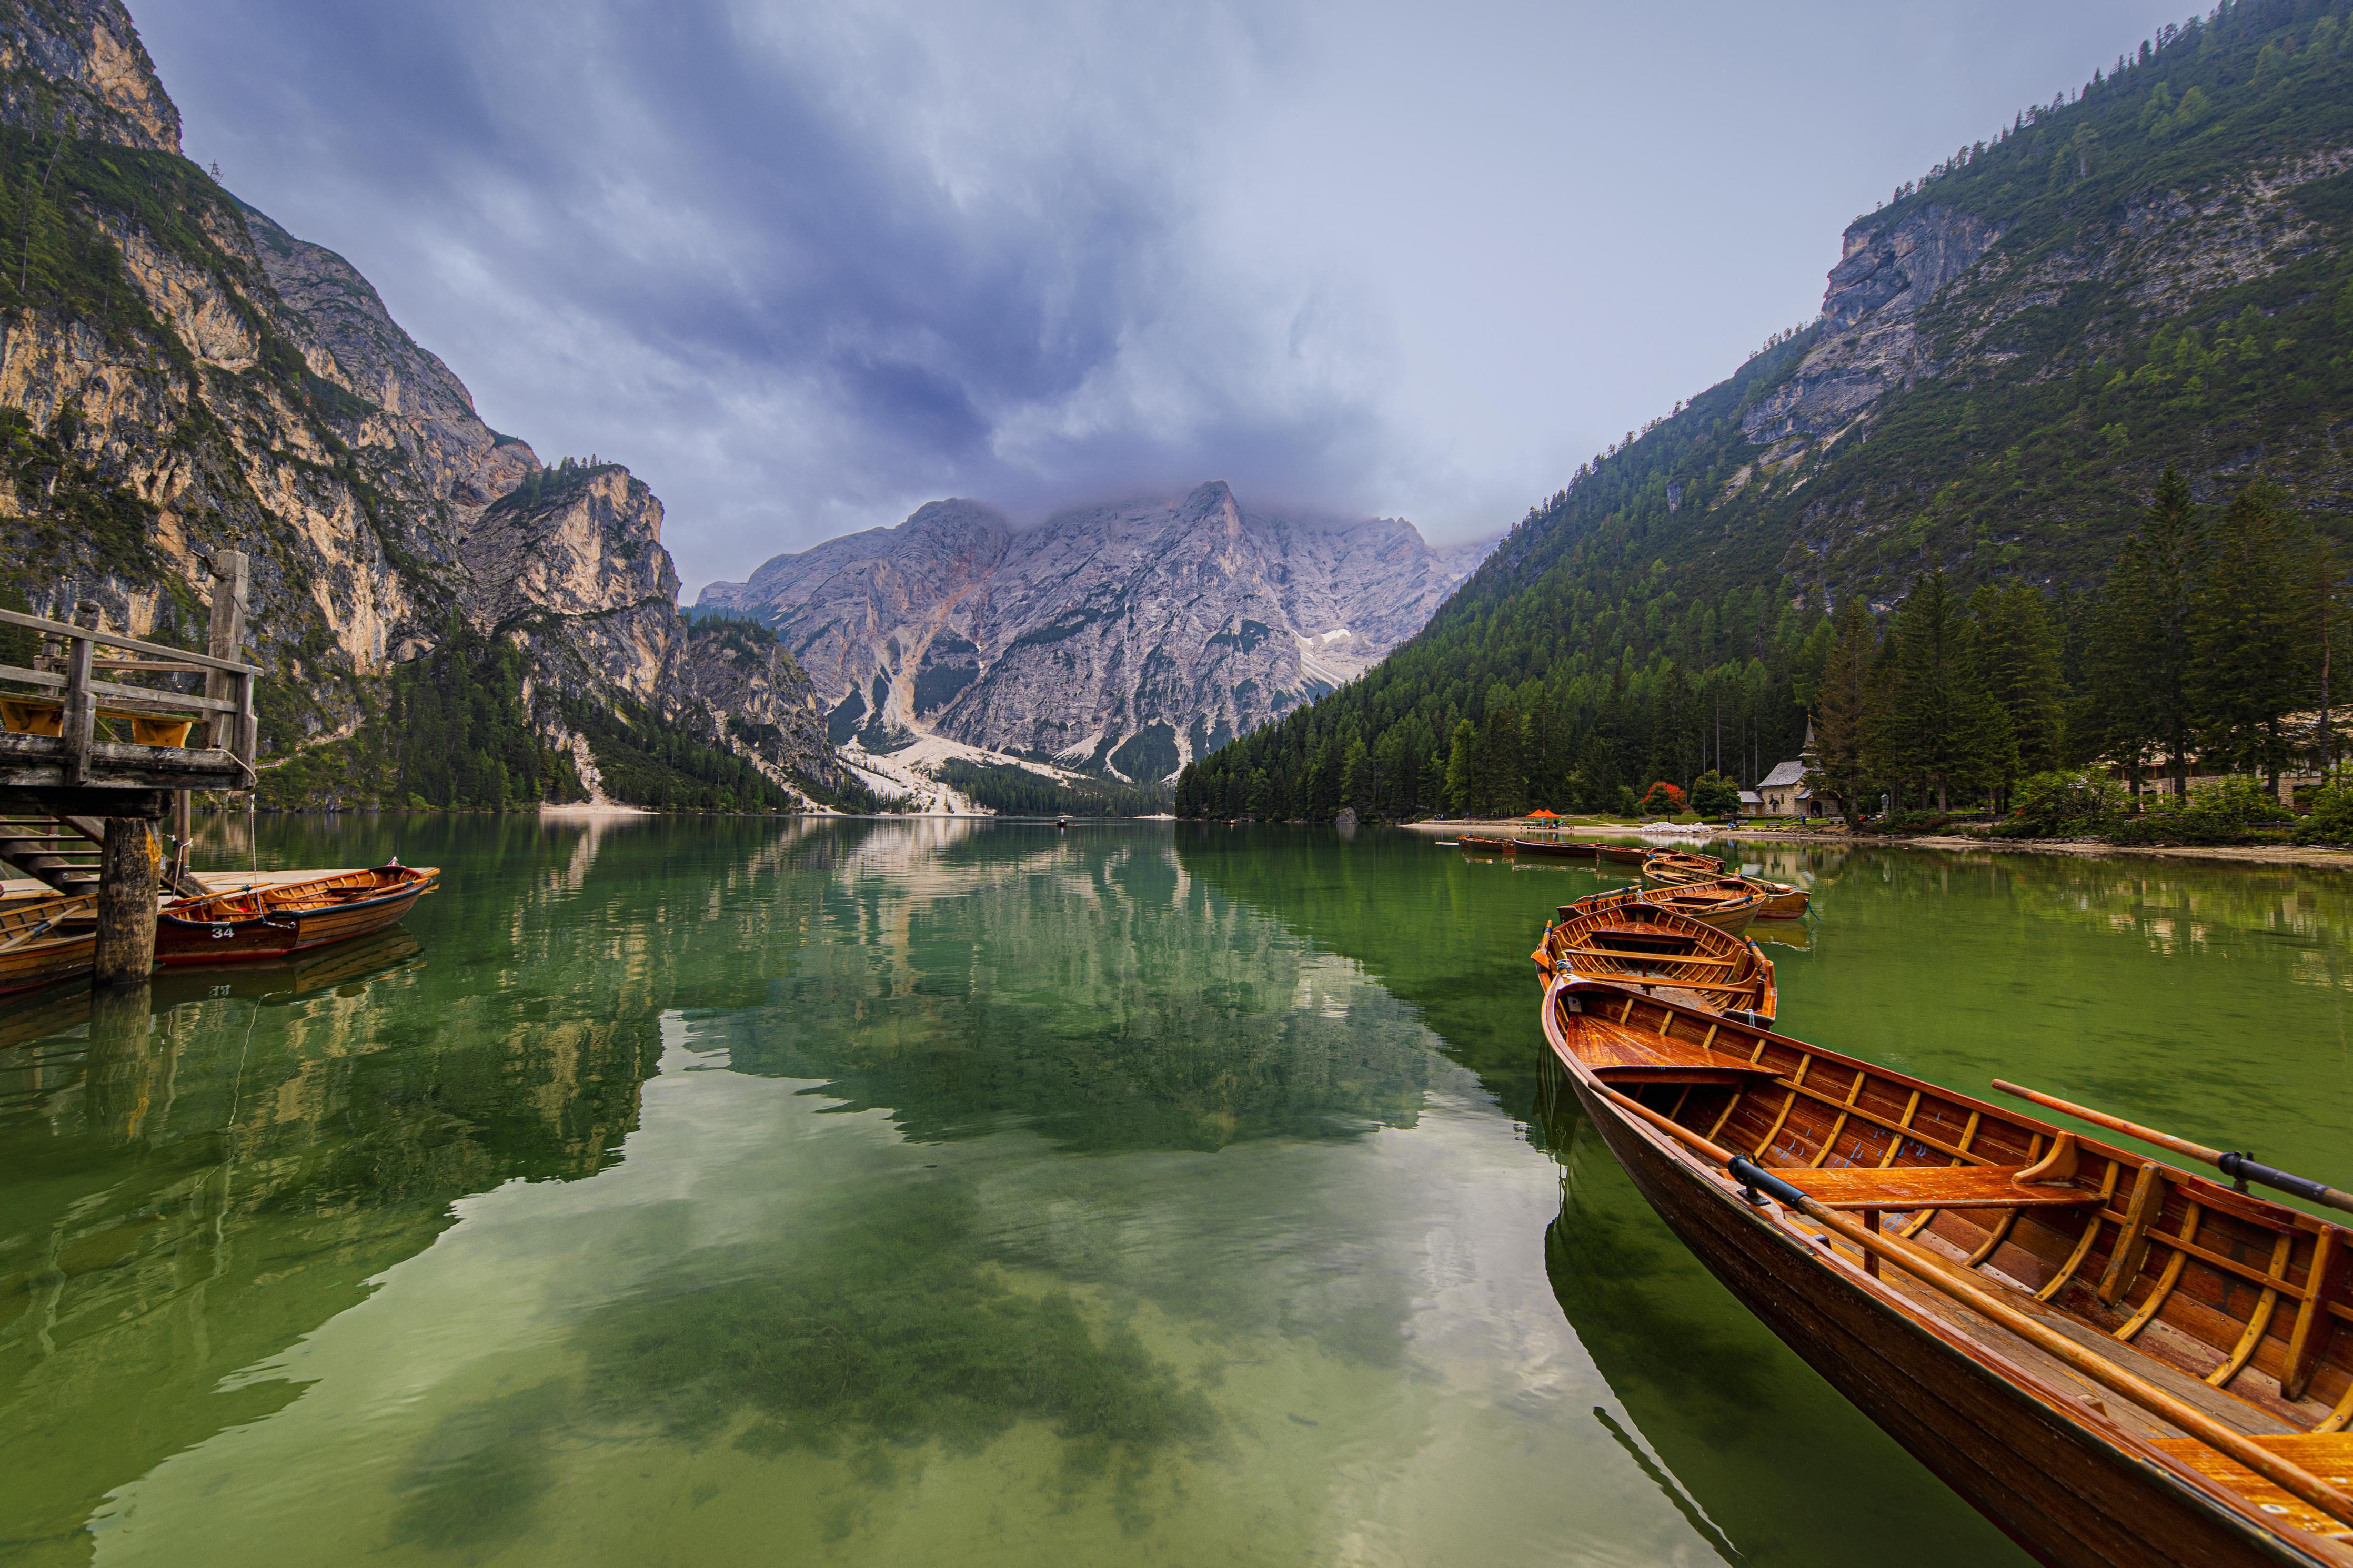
1675, 867
1726, 903
1553, 848
44, 941
273, 921
1645, 946
2113, 1359
1483, 844
1623, 853
1783, 901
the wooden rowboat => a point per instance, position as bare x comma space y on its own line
1483, 844
43, 941
273, 921
2115, 1361
1673, 868
1727, 903
1553, 848
1676, 868
1624, 854
1643, 946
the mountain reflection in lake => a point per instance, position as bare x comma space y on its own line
856, 1192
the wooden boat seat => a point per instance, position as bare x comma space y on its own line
46, 716
2327, 1454
1912, 1187
1619, 1054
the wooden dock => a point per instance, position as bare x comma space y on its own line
54, 763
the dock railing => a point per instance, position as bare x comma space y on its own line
227, 698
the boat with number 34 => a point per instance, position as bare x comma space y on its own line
272, 921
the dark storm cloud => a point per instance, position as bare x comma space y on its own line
804, 265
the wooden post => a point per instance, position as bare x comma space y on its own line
80, 718
231, 577
127, 881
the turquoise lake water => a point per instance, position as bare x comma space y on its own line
700, 1191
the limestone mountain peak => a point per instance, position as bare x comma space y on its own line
78, 66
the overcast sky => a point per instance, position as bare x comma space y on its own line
805, 264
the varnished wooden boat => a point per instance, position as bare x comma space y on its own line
1623, 853
1483, 844
2115, 1361
264, 922
1675, 867
1553, 848
1727, 903
44, 941
1645, 946
1783, 901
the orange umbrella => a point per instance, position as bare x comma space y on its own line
1534, 814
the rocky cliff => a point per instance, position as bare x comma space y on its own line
1128, 638
180, 375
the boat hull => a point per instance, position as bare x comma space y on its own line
181, 941
1553, 851
39, 964
2044, 1477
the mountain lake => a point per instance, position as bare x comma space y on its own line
706, 1191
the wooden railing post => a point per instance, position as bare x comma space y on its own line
80, 717
231, 577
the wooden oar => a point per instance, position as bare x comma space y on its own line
2241, 1168
1933, 1273
22, 937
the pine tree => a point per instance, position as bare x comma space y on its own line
1459, 767
1843, 715
1499, 777
2140, 645
1357, 779
2248, 661
2018, 662
1945, 732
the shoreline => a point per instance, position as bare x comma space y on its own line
2077, 849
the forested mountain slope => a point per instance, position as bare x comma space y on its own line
443, 618
2156, 273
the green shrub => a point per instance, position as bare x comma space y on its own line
2222, 812
2331, 821
1915, 822
1713, 796
2064, 805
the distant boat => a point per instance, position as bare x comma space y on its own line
1553, 848
1640, 945
1624, 854
1727, 903
1783, 901
46, 939
1673, 868
1483, 844
2114, 1361
274, 921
